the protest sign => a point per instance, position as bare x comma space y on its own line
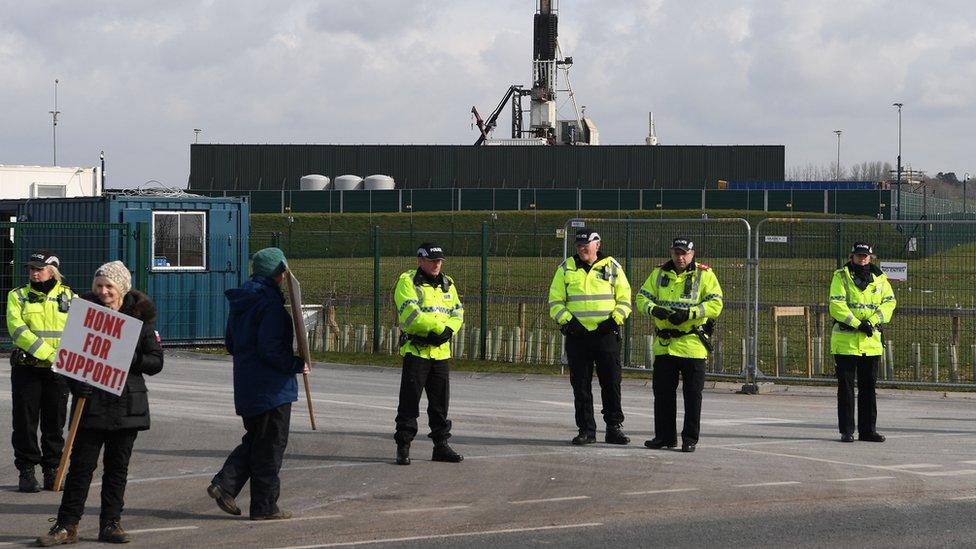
97, 346
301, 335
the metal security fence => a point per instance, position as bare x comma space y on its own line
932, 265
641, 245
80, 247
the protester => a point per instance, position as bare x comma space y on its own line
259, 336
109, 420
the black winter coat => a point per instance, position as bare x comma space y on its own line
107, 412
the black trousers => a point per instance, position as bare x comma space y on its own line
603, 351
664, 383
39, 396
865, 370
419, 375
115, 472
258, 458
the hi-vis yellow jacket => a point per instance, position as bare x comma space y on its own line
35, 320
696, 289
591, 296
851, 306
424, 309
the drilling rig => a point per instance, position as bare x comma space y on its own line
547, 63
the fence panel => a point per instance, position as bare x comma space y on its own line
641, 245
932, 336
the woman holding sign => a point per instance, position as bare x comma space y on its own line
108, 420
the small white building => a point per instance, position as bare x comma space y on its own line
49, 182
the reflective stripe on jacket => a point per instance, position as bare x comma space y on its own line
591, 296
424, 309
696, 289
35, 321
851, 306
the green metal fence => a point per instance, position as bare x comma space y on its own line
80, 247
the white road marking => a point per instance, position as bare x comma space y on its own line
831, 461
567, 498
956, 473
425, 510
170, 529
964, 498
667, 491
730, 422
18, 542
293, 519
859, 479
971, 462
916, 466
760, 484
447, 536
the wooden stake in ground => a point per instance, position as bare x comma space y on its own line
66, 453
295, 297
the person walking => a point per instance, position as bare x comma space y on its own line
259, 336
589, 298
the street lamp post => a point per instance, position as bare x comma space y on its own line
964, 181
898, 177
838, 132
196, 135
54, 119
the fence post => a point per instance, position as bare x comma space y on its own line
484, 288
628, 250
376, 289
935, 362
890, 362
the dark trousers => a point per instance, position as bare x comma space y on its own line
419, 375
258, 458
84, 459
603, 351
664, 383
39, 395
865, 369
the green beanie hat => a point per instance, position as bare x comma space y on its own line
268, 262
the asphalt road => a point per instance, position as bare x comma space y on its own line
769, 471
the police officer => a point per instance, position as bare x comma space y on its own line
590, 299
685, 298
36, 315
430, 313
861, 301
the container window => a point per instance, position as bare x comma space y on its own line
178, 241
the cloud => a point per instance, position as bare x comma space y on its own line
137, 77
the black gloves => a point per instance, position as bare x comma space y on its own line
608, 326
866, 328
573, 328
441, 338
678, 316
660, 313
80, 390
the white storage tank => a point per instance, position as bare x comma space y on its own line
314, 182
379, 183
348, 183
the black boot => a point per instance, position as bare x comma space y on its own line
110, 531
873, 436
658, 443
49, 475
443, 452
616, 436
403, 454
224, 500
583, 438
28, 481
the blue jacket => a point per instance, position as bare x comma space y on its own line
259, 336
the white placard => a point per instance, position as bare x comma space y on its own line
97, 346
895, 270
913, 244
776, 239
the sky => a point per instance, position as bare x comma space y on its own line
136, 77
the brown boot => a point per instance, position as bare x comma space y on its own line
59, 534
110, 531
